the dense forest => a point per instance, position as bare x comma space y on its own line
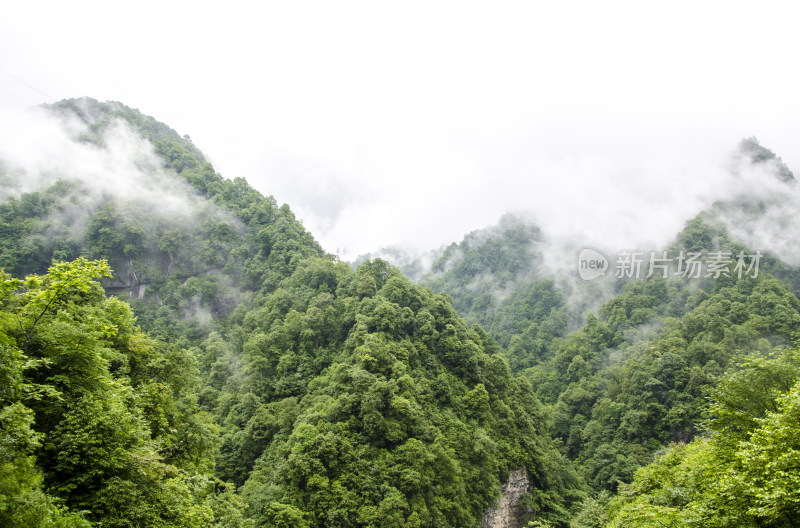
661, 368
179, 351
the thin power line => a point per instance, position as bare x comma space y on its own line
27, 84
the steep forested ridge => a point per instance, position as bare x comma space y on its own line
242, 358
410, 420
637, 376
180, 237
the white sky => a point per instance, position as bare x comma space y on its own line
415, 122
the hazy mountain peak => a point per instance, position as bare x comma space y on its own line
751, 150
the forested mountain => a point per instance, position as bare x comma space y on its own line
178, 351
234, 354
185, 244
637, 375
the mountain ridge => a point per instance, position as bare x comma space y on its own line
297, 390
330, 396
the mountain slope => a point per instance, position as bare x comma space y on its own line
634, 377
180, 238
330, 396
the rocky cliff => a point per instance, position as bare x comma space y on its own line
509, 510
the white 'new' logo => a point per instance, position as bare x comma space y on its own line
591, 264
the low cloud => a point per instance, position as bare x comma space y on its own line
37, 149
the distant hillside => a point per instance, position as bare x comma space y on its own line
635, 377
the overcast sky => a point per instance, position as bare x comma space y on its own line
415, 122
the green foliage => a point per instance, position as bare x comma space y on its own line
750, 390
745, 474
489, 261
770, 461
332, 396
376, 400
23, 503
183, 266
80, 428
636, 377
338, 397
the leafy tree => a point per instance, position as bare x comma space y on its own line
78, 427
744, 474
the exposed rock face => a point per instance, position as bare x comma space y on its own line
509, 510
